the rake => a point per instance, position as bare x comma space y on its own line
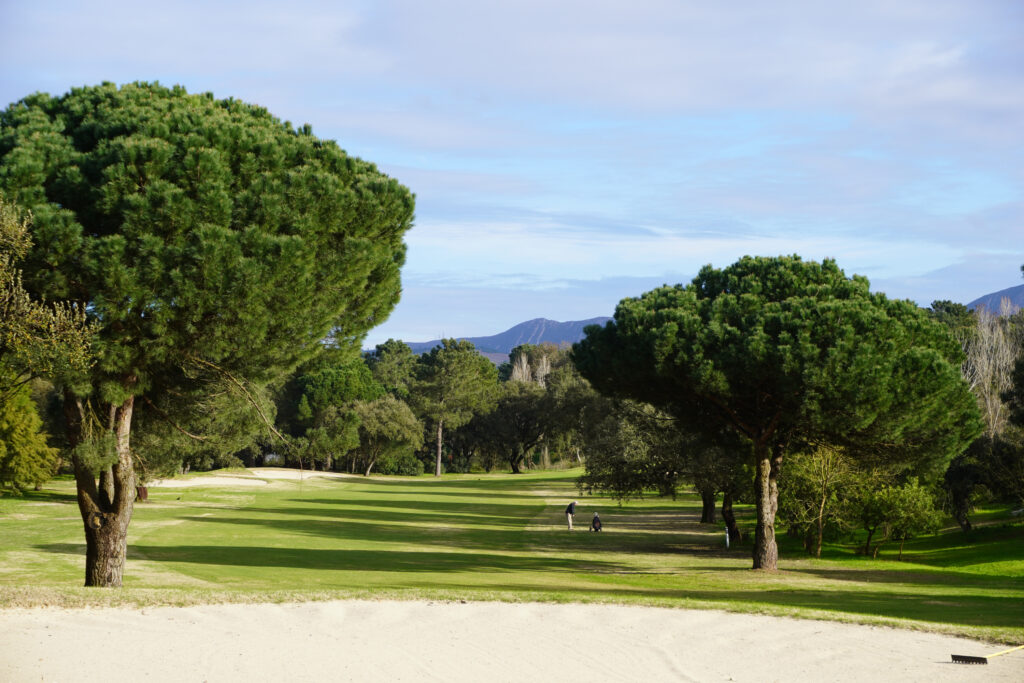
969, 659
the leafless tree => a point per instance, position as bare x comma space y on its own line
991, 351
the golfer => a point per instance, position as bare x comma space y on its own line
569, 512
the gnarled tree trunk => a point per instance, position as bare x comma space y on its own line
106, 506
515, 460
766, 492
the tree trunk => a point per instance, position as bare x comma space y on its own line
961, 505
707, 499
735, 536
516, 456
440, 427
820, 524
867, 543
370, 467
900, 558
766, 493
545, 458
106, 509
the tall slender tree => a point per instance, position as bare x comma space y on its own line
202, 236
786, 351
453, 382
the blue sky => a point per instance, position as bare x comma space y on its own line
568, 154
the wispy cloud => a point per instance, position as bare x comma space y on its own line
551, 144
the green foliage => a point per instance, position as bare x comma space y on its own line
791, 349
207, 431
818, 500
453, 383
518, 423
393, 365
190, 227
900, 512
1015, 396
633, 450
35, 340
954, 316
336, 432
787, 352
336, 387
389, 435
25, 458
199, 236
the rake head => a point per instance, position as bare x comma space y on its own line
968, 659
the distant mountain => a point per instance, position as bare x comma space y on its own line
536, 331
992, 301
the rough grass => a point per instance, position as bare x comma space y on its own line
494, 537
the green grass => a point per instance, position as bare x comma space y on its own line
495, 537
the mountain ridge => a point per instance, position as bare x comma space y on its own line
536, 331
543, 330
993, 301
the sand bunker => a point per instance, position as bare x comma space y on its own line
293, 474
415, 641
261, 474
209, 480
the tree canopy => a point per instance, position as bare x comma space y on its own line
204, 238
789, 352
453, 382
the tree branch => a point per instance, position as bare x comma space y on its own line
171, 422
248, 396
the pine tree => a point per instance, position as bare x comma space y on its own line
25, 458
209, 243
787, 352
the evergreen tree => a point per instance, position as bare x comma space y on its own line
393, 365
453, 382
203, 237
787, 352
26, 460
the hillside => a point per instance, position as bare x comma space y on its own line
992, 301
536, 331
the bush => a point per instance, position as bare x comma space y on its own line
404, 463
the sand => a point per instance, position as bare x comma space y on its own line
261, 475
428, 641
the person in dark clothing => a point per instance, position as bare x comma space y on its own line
570, 512
595, 523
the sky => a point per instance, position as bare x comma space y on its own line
566, 155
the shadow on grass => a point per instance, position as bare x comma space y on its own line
341, 560
471, 535
44, 496
965, 610
470, 512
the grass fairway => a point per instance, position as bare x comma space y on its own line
493, 537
